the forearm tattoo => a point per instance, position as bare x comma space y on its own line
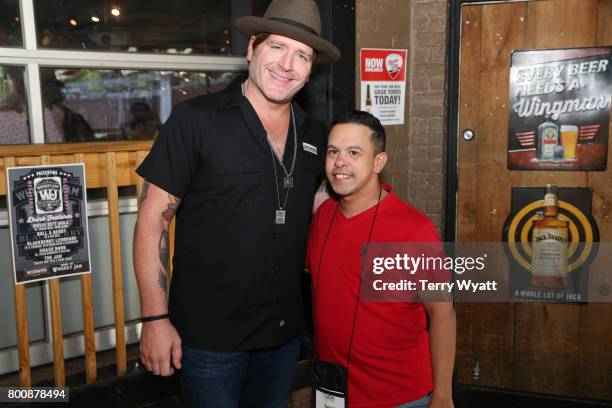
164, 258
145, 190
173, 204
162, 280
164, 252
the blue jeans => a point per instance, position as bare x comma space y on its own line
421, 403
244, 379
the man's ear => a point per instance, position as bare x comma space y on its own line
249, 55
380, 161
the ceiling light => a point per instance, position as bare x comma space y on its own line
115, 12
95, 19
73, 22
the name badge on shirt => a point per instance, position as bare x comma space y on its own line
325, 399
330, 382
310, 148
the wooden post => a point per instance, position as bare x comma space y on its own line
58, 336
21, 319
113, 220
88, 316
56, 319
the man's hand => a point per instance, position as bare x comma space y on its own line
160, 347
440, 401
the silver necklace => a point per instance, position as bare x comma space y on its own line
288, 179
281, 213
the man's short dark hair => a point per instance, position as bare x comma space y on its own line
363, 118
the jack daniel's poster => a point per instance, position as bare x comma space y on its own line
48, 220
560, 109
552, 240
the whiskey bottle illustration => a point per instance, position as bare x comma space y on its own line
549, 244
547, 140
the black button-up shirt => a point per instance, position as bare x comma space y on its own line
236, 282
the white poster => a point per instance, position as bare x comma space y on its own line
383, 84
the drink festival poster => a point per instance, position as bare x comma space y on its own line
559, 109
48, 221
383, 84
580, 247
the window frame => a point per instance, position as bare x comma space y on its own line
32, 59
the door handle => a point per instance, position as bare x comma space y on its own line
468, 134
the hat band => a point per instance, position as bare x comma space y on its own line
295, 24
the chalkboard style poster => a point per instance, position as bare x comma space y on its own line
559, 116
48, 221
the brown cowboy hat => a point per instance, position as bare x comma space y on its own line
296, 19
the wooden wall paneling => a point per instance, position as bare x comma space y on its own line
469, 110
604, 17
503, 31
596, 327
58, 336
493, 323
562, 23
88, 313
72, 148
21, 316
124, 167
593, 375
107, 165
23, 342
56, 318
546, 354
88, 329
547, 336
113, 219
467, 166
27, 161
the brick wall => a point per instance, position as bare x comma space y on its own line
416, 149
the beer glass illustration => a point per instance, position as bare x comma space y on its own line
569, 139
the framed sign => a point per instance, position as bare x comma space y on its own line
48, 221
559, 114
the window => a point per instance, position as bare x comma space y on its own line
13, 106
10, 24
114, 104
83, 70
154, 26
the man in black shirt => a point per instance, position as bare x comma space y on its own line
239, 168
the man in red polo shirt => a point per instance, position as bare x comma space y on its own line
393, 357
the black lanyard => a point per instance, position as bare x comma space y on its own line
316, 293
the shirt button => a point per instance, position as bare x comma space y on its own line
281, 323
